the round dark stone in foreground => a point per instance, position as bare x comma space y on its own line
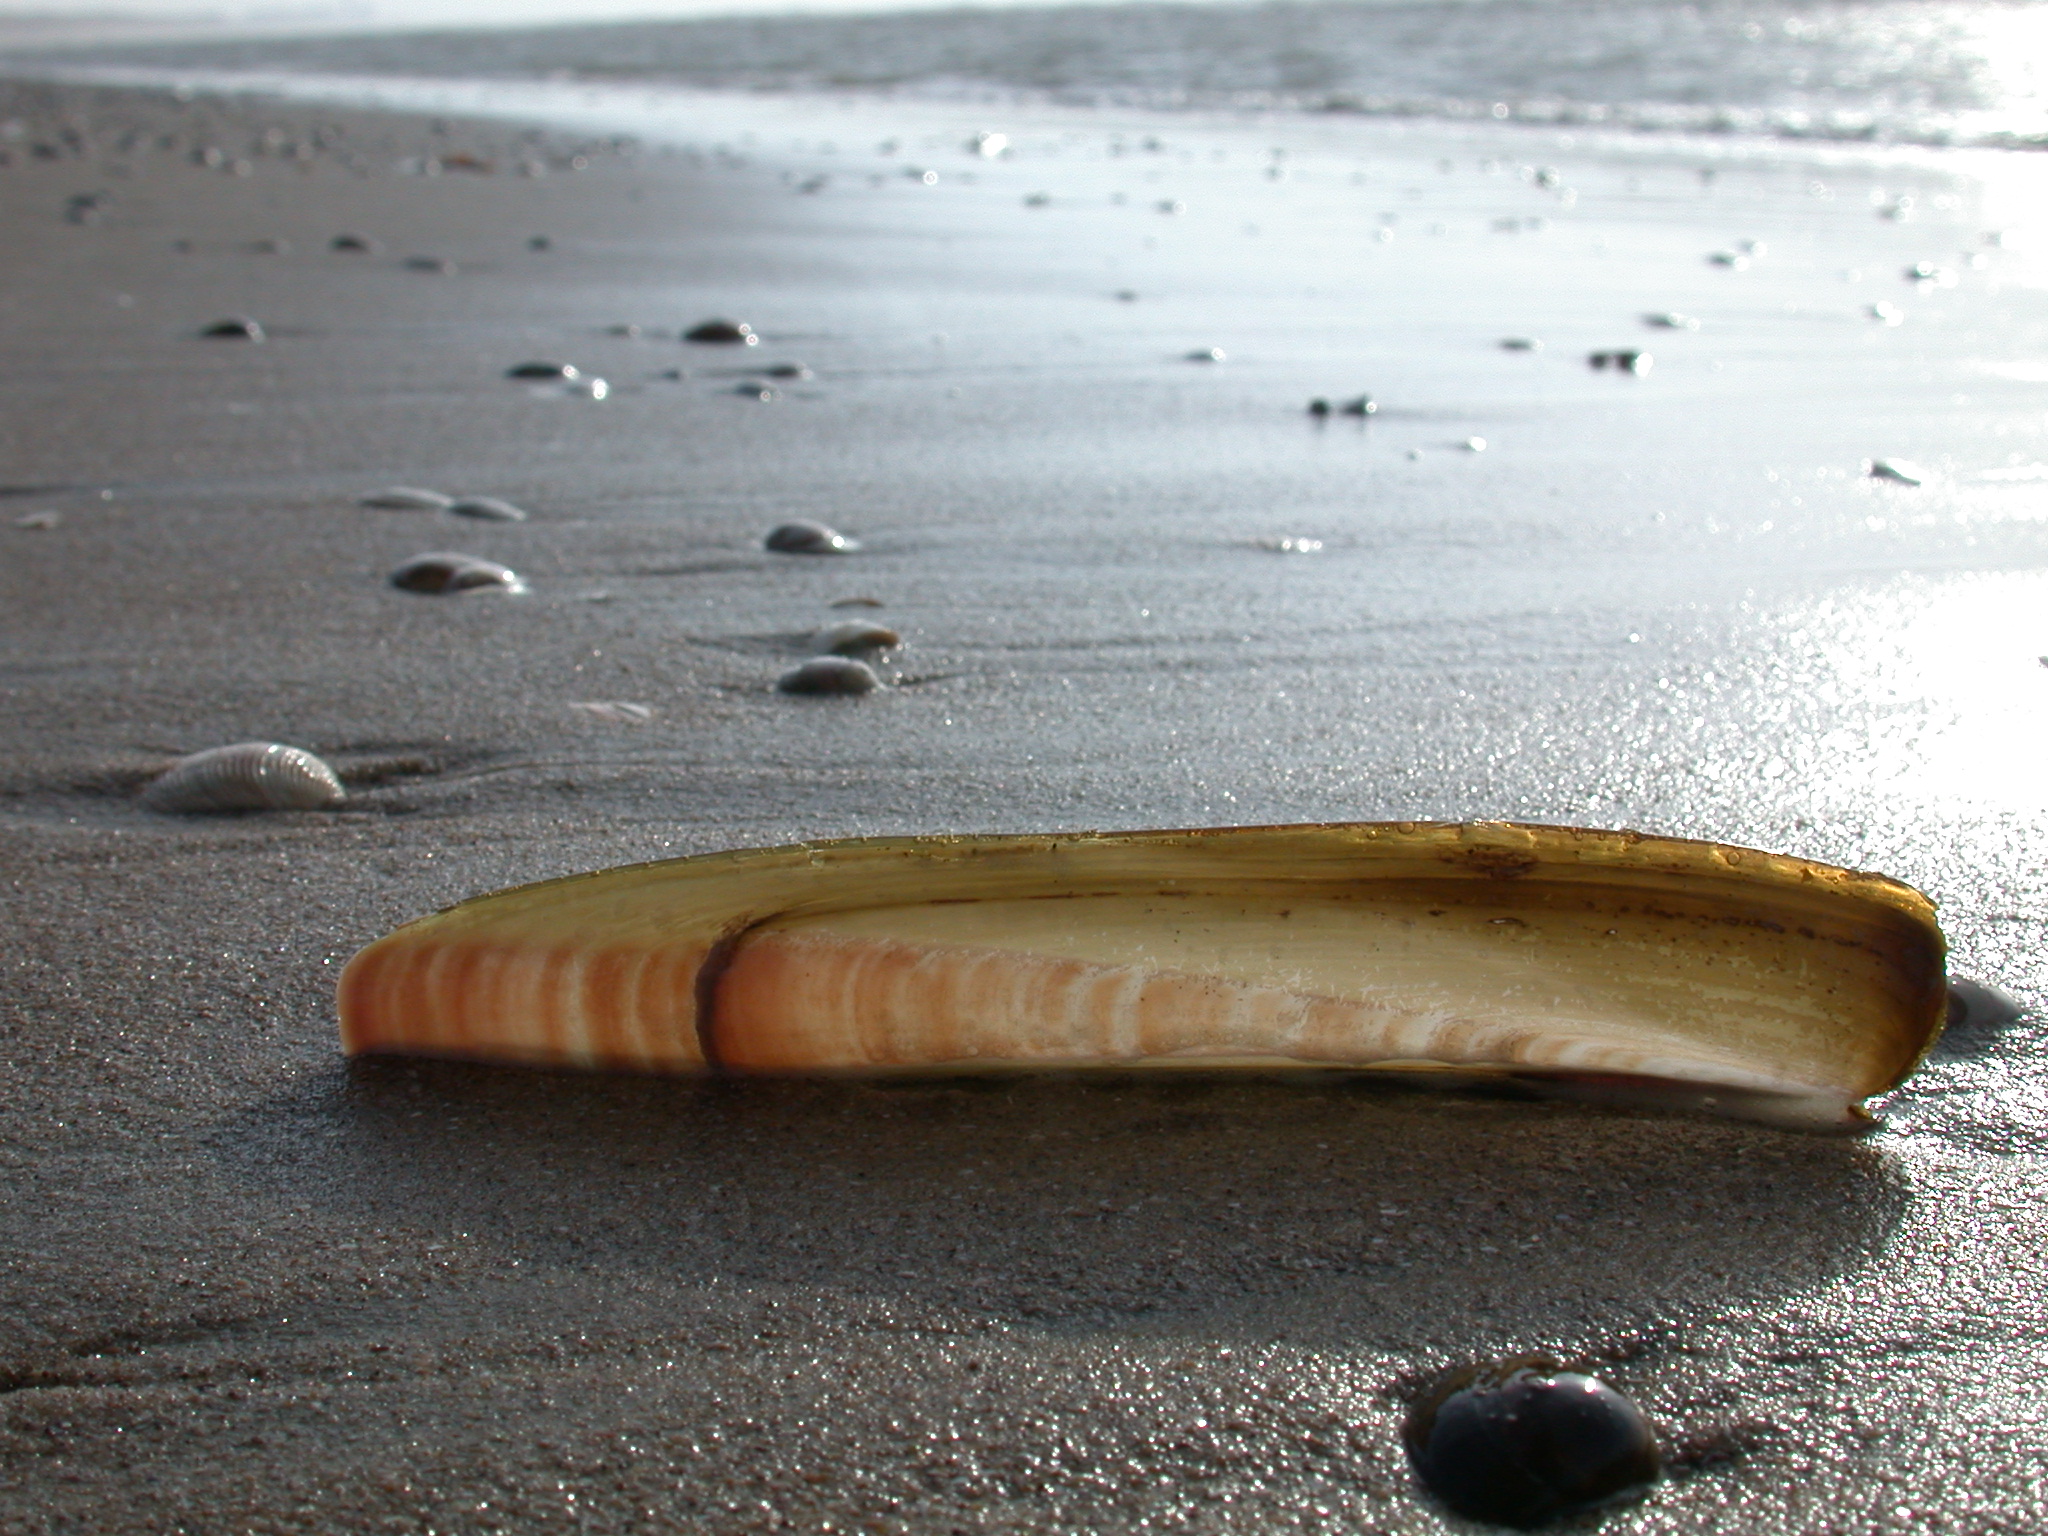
1524, 1442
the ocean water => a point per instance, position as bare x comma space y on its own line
1966, 72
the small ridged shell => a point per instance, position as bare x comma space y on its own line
248, 776
487, 509
406, 498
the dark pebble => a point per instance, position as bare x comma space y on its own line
544, 370
1623, 362
440, 264
727, 333
1364, 405
539, 243
1524, 1442
830, 674
754, 389
234, 328
808, 538
1319, 407
787, 371
452, 573
360, 243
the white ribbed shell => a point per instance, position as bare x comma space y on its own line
248, 776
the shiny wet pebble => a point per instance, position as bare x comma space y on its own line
248, 776
830, 674
487, 509
1524, 1442
234, 328
1625, 361
440, 573
854, 637
1208, 355
808, 538
727, 333
543, 370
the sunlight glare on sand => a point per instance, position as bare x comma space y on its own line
1962, 678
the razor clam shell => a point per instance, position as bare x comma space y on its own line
248, 776
1761, 984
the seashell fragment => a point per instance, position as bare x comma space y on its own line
406, 498
613, 711
454, 573
544, 370
249, 776
487, 509
1525, 1442
804, 537
726, 333
41, 521
234, 328
829, 674
1898, 471
854, 637
1722, 978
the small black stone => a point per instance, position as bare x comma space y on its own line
234, 328
1525, 1442
361, 244
727, 333
1364, 405
443, 573
543, 370
808, 538
1319, 407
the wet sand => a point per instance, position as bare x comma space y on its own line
247, 1286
